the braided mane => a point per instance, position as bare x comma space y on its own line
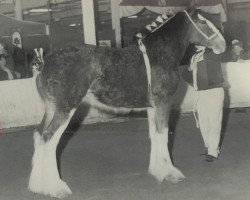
155, 25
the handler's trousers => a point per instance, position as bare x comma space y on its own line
210, 111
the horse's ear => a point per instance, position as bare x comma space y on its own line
192, 7
193, 4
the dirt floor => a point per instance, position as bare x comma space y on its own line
109, 161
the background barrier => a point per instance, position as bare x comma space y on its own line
20, 104
237, 84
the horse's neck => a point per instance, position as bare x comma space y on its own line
173, 39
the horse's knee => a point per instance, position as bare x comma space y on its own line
57, 125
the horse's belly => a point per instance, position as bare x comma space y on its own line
129, 92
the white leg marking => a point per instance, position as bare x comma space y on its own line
160, 165
44, 177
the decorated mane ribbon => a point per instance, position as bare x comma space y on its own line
152, 28
156, 24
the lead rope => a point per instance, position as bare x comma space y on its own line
195, 109
193, 67
147, 63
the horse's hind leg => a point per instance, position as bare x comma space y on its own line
160, 165
44, 178
47, 117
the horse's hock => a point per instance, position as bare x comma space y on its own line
20, 104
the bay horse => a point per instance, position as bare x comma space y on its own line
118, 78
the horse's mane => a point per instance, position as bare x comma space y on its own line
164, 22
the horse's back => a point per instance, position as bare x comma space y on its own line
67, 75
119, 75
121, 80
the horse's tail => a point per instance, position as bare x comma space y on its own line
92, 100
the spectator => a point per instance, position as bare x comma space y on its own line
237, 51
8, 57
20, 61
5, 72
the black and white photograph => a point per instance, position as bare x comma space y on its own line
125, 99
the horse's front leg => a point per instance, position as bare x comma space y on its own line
44, 177
160, 165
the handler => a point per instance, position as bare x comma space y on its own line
205, 75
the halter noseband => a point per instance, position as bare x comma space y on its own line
199, 30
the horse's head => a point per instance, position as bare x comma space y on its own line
203, 32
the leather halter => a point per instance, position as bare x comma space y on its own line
199, 30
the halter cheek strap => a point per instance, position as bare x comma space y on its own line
199, 30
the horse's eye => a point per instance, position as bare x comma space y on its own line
203, 22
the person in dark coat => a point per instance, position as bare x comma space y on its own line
205, 75
237, 52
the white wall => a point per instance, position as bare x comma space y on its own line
237, 1
20, 104
237, 84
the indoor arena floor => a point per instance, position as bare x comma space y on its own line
109, 162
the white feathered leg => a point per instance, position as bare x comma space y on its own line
160, 165
44, 177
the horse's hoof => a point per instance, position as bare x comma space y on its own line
168, 173
210, 158
174, 175
62, 191
58, 190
